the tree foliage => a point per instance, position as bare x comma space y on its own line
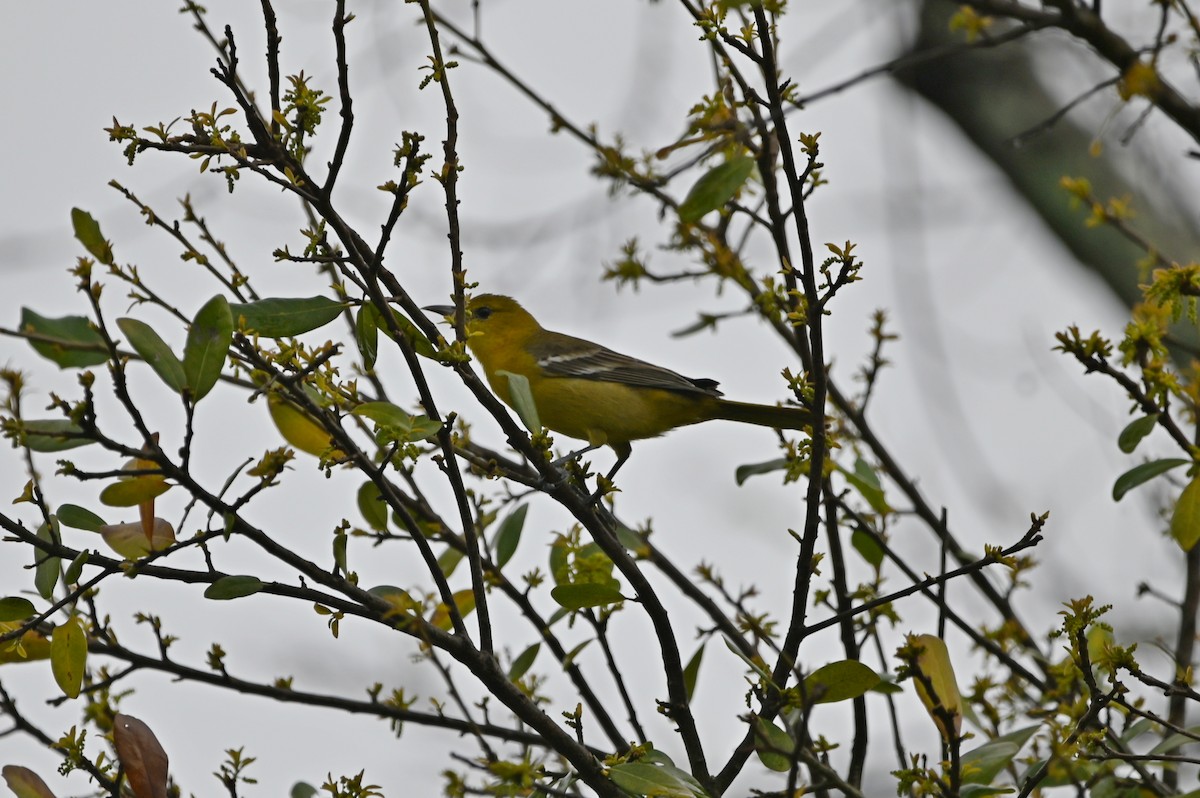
1022, 713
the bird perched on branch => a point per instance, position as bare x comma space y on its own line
586, 391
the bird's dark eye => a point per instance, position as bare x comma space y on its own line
483, 312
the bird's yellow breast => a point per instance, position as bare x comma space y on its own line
611, 412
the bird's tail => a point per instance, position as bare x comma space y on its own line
764, 415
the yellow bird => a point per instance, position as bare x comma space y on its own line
587, 391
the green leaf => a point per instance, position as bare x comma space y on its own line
773, 745
744, 472
716, 187
509, 535
232, 587
393, 425
839, 681
983, 764
50, 435
1078, 772
207, 347
757, 667
983, 791
887, 688
568, 660
1185, 521
339, 552
668, 768
656, 757
75, 569
1137, 429
366, 333
449, 560
864, 480
132, 492
1143, 473
401, 603
87, 230
1177, 740
154, 350
576, 596
47, 569
866, 545
691, 672
416, 339
372, 506
16, 608
281, 318
1135, 729
633, 541
521, 399
523, 662
68, 655
640, 778
78, 517
76, 344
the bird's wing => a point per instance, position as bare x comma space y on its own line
564, 356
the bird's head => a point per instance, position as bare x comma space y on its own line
492, 315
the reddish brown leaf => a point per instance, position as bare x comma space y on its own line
142, 756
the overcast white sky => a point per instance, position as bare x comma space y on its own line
992, 422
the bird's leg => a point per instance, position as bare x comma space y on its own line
604, 483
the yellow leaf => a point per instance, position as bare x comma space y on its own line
26, 494
934, 665
1185, 521
25, 783
131, 542
30, 646
464, 600
135, 491
298, 428
68, 655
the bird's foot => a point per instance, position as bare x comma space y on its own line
566, 468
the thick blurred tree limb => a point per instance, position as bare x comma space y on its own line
996, 94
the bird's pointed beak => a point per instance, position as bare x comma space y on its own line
441, 310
